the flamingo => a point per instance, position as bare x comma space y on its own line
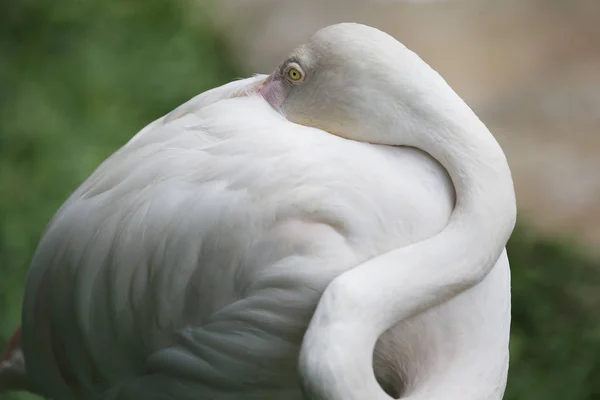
335, 230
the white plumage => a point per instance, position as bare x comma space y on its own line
190, 263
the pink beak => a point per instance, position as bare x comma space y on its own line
274, 90
263, 86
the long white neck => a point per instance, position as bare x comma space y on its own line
361, 304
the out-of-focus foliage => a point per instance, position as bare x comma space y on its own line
79, 77
555, 341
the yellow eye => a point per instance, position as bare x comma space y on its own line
294, 74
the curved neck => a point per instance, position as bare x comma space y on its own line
361, 304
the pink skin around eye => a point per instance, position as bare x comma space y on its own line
274, 91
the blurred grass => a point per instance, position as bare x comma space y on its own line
78, 78
555, 336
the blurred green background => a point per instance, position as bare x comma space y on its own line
78, 78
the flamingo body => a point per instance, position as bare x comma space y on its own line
200, 249
274, 238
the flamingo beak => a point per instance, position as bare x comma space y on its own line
274, 91
263, 86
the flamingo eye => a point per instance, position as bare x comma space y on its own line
295, 74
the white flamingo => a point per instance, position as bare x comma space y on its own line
291, 248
